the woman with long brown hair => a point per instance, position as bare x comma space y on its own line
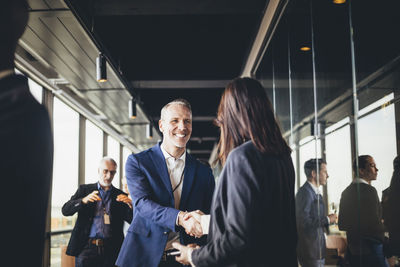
253, 211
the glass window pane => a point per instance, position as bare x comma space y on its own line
93, 153
113, 152
376, 104
36, 90
377, 70
65, 168
58, 247
307, 151
294, 159
377, 137
338, 158
125, 154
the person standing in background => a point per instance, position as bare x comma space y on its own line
102, 209
26, 157
310, 215
126, 190
390, 209
361, 217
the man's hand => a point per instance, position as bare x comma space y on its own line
185, 251
191, 225
332, 218
125, 199
194, 214
92, 197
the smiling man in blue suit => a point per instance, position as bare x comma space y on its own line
165, 182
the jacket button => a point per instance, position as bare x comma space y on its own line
165, 233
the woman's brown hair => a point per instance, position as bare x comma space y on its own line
245, 113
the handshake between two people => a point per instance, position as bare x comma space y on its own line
191, 222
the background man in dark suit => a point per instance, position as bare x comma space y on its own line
310, 215
102, 209
361, 217
164, 182
26, 157
390, 209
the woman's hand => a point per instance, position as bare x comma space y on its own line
186, 252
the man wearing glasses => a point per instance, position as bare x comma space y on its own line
102, 209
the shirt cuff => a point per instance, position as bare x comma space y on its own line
177, 219
190, 257
205, 223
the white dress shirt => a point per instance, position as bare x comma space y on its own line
317, 191
175, 170
361, 181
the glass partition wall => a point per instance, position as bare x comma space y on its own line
332, 74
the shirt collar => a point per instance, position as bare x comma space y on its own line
361, 181
167, 155
101, 188
316, 189
6, 73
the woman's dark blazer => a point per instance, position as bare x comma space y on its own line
253, 212
120, 212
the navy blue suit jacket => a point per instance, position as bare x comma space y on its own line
311, 221
155, 216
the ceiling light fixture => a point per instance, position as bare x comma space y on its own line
101, 71
149, 131
339, 2
132, 109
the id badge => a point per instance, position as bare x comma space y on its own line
106, 218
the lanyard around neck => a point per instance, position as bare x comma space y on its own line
180, 181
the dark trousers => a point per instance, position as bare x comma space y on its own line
170, 264
373, 259
94, 256
169, 261
312, 263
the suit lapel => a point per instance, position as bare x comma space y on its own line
113, 197
190, 168
114, 203
316, 196
90, 189
161, 167
310, 189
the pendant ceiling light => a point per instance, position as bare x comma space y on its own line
101, 71
132, 109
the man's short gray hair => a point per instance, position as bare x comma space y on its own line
107, 159
179, 101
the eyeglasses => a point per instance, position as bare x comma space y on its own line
112, 172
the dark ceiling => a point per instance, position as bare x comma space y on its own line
168, 49
178, 47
